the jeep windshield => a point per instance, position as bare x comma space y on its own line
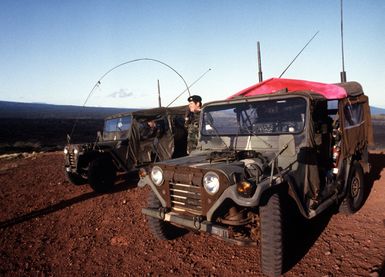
116, 128
267, 117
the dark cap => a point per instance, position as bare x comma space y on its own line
194, 98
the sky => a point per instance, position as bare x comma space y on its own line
56, 51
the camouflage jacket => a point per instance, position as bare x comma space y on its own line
192, 126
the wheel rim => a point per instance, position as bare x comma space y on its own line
355, 187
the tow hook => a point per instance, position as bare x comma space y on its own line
197, 222
162, 212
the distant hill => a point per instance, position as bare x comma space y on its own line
27, 127
375, 110
45, 111
39, 111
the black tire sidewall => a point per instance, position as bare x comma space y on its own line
161, 229
357, 174
272, 236
101, 174
75, 178
353, 201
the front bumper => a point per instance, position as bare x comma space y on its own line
229, 193
195, 223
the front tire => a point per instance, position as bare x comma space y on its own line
355, 196
161, 229
271, 236
76, 178
101, 174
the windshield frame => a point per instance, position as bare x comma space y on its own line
208, 129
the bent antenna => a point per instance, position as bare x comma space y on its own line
298, 54
119, 65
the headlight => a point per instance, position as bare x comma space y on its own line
65, 151
211, 182
157, 175
76, 151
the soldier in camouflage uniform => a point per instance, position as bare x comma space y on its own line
192, 121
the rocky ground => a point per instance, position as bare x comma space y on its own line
49, 227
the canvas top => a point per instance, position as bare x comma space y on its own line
329, 91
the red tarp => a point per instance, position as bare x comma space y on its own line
329, 91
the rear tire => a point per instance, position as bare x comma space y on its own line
161, 229
271, 236
355, 196
101, 174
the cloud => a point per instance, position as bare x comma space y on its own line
122, 93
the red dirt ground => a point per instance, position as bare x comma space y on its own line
49, 227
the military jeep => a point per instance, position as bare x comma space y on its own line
280, 139
127, 142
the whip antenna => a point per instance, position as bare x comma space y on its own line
260, 78
159, 99
298, 54
200, 77
115, 67
342, 73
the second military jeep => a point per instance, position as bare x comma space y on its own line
276, 140
128, 140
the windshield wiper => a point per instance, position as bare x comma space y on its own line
218, 135
272, 163
249, 130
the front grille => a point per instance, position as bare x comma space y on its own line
72, 160
185, 198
